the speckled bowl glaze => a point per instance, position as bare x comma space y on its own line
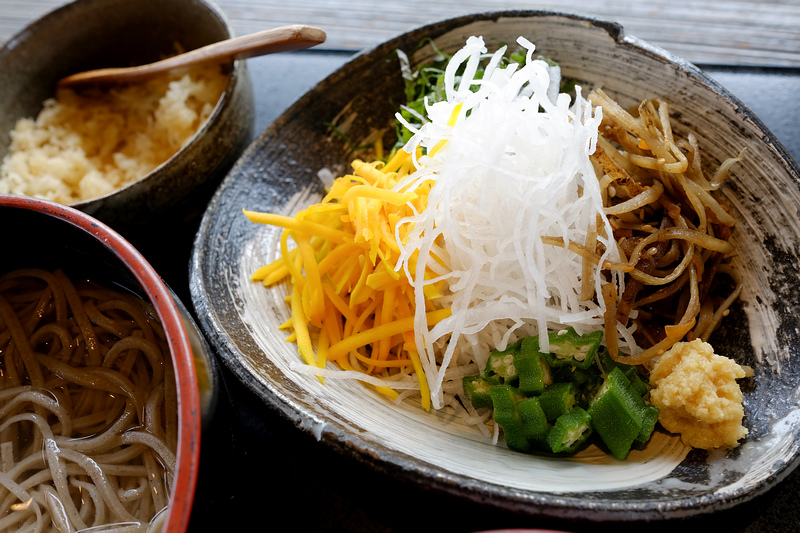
88, 34
278, 173
53, 236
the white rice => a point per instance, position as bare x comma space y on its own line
89, 144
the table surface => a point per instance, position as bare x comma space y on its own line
254, 460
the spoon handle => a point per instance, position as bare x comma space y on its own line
282, 39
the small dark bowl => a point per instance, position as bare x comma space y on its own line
49, 235
89, 34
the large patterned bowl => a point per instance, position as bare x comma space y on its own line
278, 173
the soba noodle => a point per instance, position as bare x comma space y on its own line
88, 409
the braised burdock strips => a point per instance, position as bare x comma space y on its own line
669, 227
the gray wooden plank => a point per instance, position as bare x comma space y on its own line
737, 33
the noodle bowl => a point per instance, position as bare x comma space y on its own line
88, 407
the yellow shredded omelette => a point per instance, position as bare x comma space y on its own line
348, 303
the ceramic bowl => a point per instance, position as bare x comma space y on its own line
89, 34
278, 173
53, 236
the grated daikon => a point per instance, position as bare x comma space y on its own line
509, 164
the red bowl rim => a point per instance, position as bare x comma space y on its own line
188, 453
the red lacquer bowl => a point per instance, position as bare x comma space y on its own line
43, 234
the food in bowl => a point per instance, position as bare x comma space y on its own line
87, 144
511, 213
88, 407
698, 395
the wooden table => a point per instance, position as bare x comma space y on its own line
732, 32
258, 468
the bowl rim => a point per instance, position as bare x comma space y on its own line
234, 77
392, 462
188, 452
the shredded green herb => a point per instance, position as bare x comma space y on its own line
333, 128
426, 83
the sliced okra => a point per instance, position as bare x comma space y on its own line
558, 399
570, 431
567, 347
534, 421
531, 367
617, 412
649, 419
500, 367
476, 389
504, 399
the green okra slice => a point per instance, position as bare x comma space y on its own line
505, 399
534, 421
578, 376
500, 366
570, 431
586, 381
617, 412
649, 419
638, 383
531, 367
476, 389
567, 347
558, 399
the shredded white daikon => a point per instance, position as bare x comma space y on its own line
514, 167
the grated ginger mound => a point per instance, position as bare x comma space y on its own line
87, 144
699, 398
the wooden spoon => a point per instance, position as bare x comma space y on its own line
285, 38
